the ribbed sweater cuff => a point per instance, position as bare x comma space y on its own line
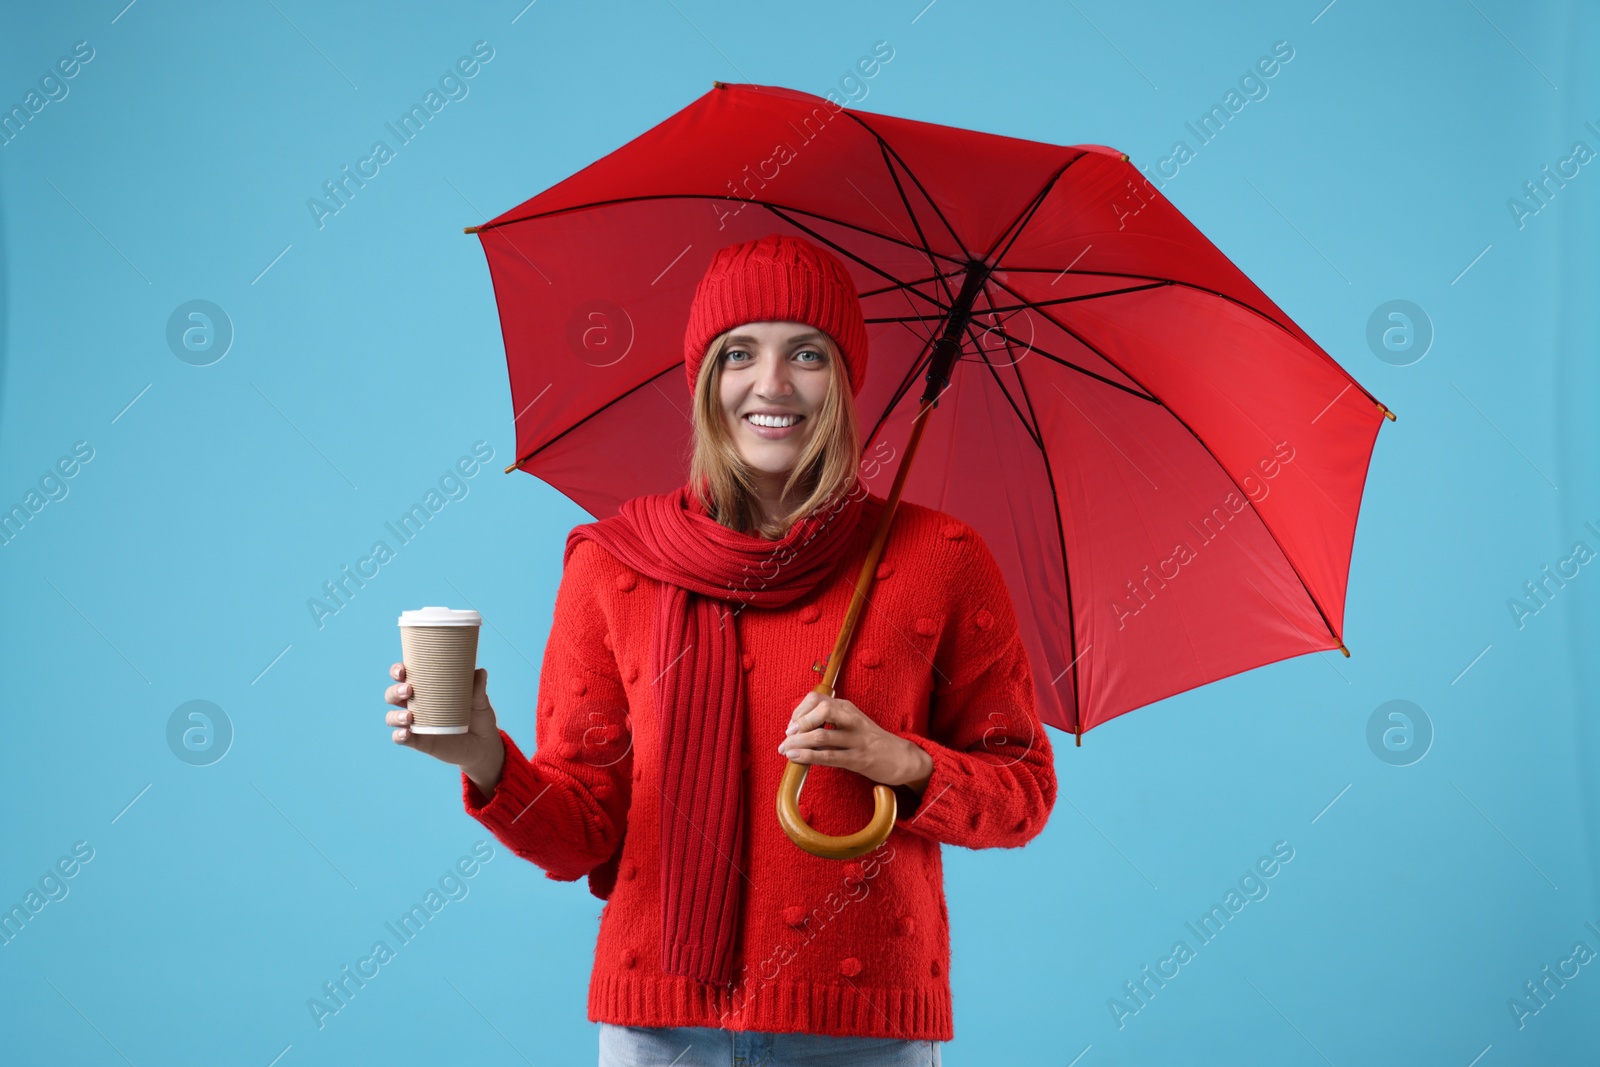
937, 813
518, 787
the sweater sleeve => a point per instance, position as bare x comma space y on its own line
565, 809
993, 783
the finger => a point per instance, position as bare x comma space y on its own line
421, 742
808, 702
813, 710
811, 720
399, 717
397, 694
843, 715
819, 739
397, 671
480, 689
831, 713
814, 755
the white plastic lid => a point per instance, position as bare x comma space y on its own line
440, 617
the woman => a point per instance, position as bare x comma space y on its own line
708, 611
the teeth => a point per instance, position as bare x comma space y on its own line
774, 420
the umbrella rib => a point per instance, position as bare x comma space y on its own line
1031, 429
1154, 278
1084, 296
1014, 228
1019, 223
844, 251
1185, 285
888, 150
1061, 542
1033, 422
901, 285
1029, 345
1201, 441
900, 391
1160, 281
1150, 280
907, 318
615, 400
1017, 307
928, 340
1030, 425
907, 290
851, 255
1069, 331
1073, 366
907, 285
916, 223
901, 241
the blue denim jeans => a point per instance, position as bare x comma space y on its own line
709, 1046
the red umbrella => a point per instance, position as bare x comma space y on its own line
1167, 469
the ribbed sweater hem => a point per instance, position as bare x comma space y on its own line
835, 1009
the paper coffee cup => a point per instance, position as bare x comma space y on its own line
439, 647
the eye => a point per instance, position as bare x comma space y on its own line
821, 358
730, 353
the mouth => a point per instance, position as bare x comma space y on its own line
769, 427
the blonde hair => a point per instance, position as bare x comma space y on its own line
724, 482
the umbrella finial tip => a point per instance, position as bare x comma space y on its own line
719, 85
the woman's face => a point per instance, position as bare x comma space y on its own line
778, 370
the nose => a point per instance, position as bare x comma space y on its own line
773, 382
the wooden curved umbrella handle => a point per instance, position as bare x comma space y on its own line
829, 846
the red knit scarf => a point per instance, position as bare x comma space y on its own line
699, 692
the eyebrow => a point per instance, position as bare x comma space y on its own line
744, 338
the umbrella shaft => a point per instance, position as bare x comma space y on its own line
948, 346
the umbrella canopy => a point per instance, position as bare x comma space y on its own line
1165, 466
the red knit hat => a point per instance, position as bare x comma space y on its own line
777, 278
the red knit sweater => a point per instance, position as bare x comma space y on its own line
858, 948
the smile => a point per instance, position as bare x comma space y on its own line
773, 427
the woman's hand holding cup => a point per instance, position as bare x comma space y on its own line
478, 752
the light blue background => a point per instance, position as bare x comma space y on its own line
368, 358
